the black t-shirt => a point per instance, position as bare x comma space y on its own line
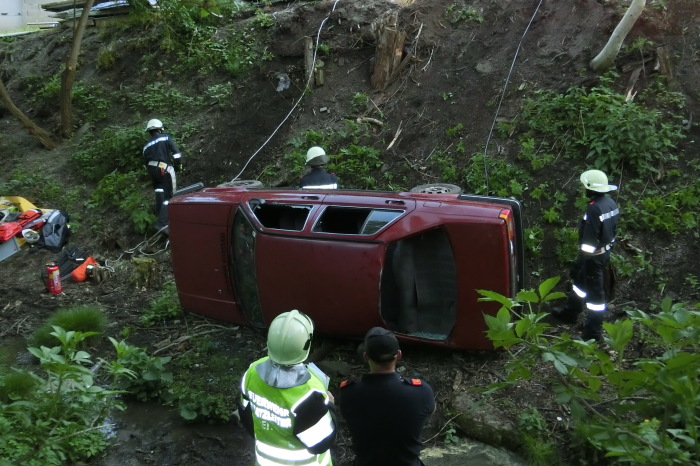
386, 414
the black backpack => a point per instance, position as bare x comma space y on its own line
68, 260
55, 232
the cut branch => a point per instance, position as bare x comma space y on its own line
43, 136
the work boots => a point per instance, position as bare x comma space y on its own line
593, 329
570, 311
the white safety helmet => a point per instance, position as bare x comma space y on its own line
154, 124
316, 156
597, 181
289, 338
30, 235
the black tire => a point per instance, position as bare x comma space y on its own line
241, 184
437, 188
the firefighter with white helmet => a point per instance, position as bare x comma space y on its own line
284, 404
596, 235
163, 159
318, 177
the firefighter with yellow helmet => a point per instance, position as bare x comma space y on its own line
284, 404
596, 235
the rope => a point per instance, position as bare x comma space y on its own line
296, 104
500, 101
152, 241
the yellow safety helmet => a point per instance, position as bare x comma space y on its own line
289, 338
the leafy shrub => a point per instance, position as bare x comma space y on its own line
56, 420
674, 211
88, 100
151, 376
538, 444
80, 318
120, 191
165, 307
117, 149
206, 382
106, 58
492, 175
358, 165
600, 126
455, 14
163, 98
643, 411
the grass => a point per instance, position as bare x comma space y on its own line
83, 318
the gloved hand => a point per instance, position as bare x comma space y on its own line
178, 166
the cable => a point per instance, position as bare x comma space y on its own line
500, 101
296, 104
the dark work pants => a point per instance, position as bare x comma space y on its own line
163, 184
588, 292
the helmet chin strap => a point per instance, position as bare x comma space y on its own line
279, 376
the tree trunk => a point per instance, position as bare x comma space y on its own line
606, 57
40, 134
68, 77
387, 58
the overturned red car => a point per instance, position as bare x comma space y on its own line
351, 260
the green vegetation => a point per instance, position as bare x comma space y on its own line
55, 417
165, 307
455, 14
86, 319
201, 39
152, 377
357, 165
116, 149
206, 382
119, 192
598, 126
499, 177
644, 410
538, 442
89, 101
360, 102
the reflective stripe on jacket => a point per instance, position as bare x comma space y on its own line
599, 225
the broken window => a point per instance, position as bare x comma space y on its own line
354, 220
281, 216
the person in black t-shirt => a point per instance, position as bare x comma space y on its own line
385, 412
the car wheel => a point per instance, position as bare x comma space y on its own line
241, 184
437, 188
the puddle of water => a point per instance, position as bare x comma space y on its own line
151, 434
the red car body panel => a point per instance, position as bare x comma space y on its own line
351, 260
338, 290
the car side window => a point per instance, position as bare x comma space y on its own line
281, 216
354, 220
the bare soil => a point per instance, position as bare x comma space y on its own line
466, 72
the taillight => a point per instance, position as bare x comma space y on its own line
507, 216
